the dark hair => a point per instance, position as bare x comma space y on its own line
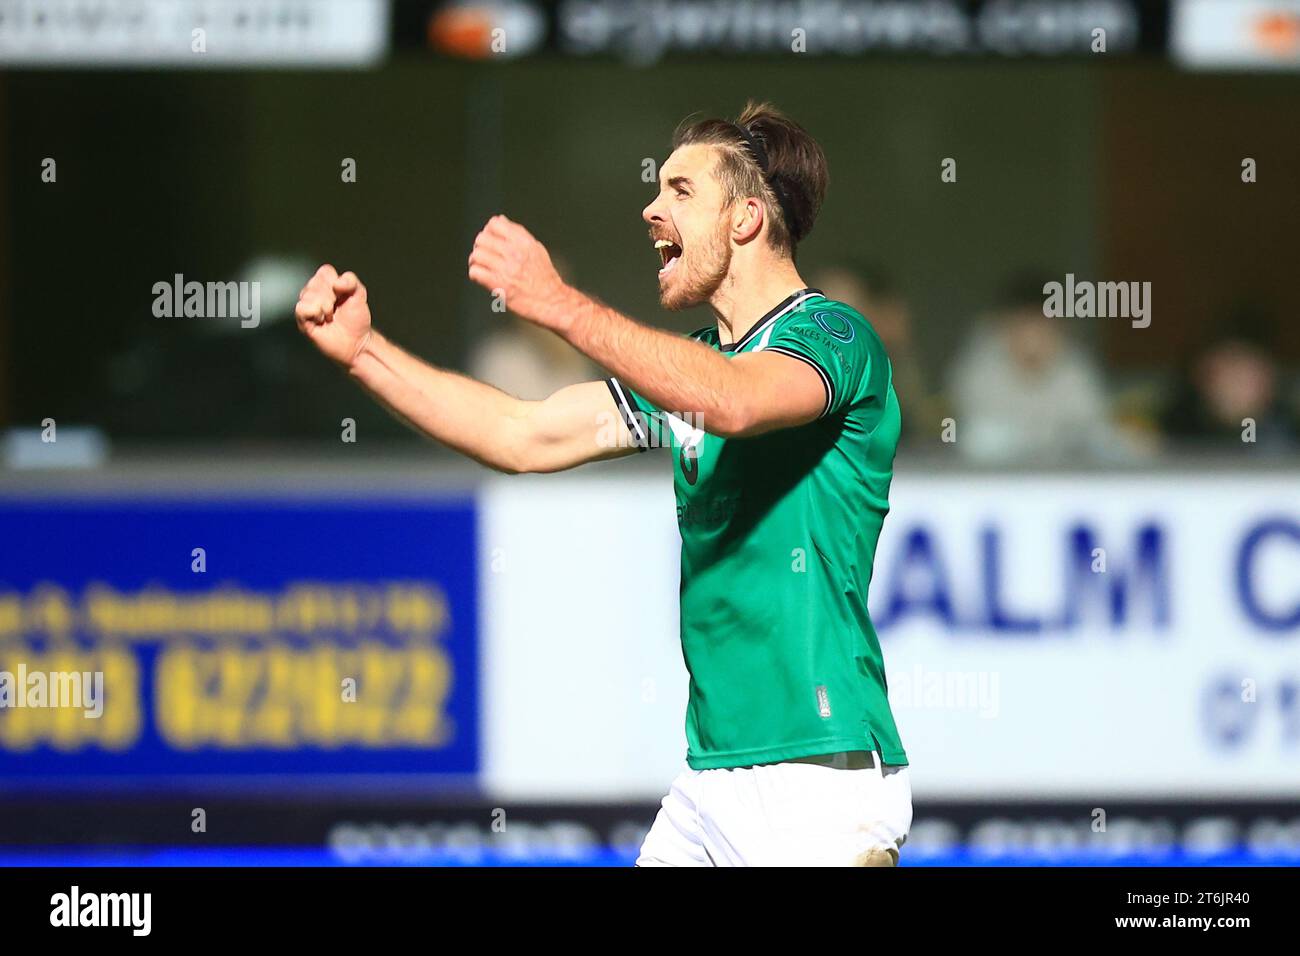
769, 156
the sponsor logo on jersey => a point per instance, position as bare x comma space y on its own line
836, 325
689, 438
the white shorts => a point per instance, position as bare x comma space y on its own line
835, 810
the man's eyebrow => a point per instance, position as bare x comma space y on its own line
680, 182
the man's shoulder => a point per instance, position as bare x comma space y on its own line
838, 320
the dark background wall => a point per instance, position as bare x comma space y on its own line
1129, 172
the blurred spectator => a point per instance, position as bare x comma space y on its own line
873, 293
1229, 382
1026, 394
527, 361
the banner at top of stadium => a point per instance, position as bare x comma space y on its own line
1199, 34
645, 31
348, 34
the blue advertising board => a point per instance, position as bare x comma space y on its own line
151, 640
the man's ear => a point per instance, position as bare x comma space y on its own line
748, 220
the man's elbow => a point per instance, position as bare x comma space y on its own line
748, 420
532, 455
731, 421
516, 449
513, 459
509, 468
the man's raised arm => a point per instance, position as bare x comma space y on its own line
739, 397
577, 424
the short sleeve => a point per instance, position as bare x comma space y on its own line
645, 422
842, 348
640, 416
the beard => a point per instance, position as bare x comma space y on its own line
693, 282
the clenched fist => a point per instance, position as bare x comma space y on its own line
333, 313
507, 260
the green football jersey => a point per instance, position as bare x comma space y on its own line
778, 537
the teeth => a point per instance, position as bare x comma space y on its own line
662, 243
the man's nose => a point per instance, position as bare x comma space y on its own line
652, 213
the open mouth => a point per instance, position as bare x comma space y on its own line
669, 253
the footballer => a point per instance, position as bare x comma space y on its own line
782, 422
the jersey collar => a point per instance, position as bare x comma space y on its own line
782, 308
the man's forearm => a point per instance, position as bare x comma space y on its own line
675, 373
739, 397
468, 416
